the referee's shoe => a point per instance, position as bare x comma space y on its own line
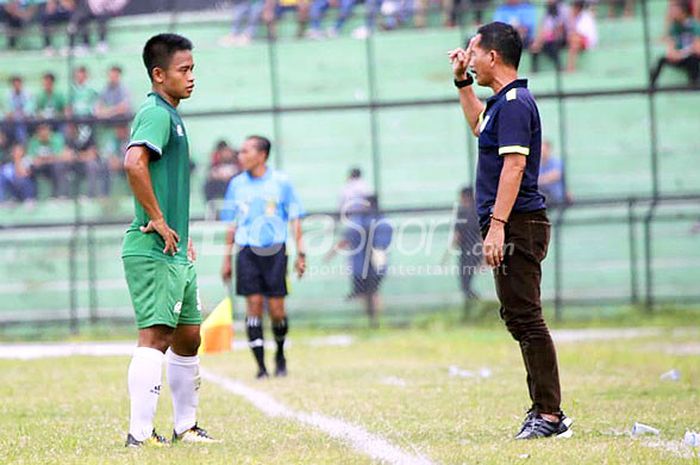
535, 427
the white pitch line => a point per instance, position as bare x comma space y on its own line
358, 438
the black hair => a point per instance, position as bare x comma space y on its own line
81, 69
222, 144
467, 191
50, 76
116, 68
685, 7
263, 144
160, 48
15, 77
355, 173
504, 39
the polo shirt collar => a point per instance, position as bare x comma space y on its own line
512, 85
261, 178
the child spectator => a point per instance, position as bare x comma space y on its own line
682, 44
582, 32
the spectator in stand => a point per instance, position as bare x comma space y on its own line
50, 103
16, 182
551, 37
19, 111
53, 13
247, 15
551, 179
354, 194
682, 44
48, 156
17, 14
454, 10
275, 9
617, 8
224, 166
85, 12
520, 14
582, 32
318, 11
114, 101
113, 148
83, 98
87, 165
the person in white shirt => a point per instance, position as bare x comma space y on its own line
583, 33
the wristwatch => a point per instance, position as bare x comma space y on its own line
466, 82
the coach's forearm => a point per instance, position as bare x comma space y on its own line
471, 107
139, 178
508, 186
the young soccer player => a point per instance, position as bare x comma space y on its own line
158, 254
260, 204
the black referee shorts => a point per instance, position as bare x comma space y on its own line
262, 271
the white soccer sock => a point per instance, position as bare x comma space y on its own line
144, 379
184, 381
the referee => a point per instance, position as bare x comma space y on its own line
511, 210
260, 203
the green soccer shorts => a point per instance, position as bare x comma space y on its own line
162, 293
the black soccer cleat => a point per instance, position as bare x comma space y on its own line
262, 374
154, 440
280, 366
535, 427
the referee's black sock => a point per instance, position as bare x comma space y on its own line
256, 341
280, 329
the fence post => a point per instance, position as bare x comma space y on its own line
652, 103
634, 281
275, 95
649, 272
374, 124
92, 275
558, 311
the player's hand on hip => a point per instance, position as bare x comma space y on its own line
191, 251
226, 269
493, 245
300, 265
170, 237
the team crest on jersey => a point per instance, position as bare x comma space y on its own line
180, 131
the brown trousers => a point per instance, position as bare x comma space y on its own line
518, 289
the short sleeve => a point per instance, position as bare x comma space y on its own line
514, 128
292, 203
151, 129
229, 211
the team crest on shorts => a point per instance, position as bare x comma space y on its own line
177, 308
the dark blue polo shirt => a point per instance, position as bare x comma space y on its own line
510, 123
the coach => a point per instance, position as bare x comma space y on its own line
511, 210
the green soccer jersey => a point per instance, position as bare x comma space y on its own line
83, 99
158, 127
51, 148
50, 105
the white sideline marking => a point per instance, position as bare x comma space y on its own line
359, 439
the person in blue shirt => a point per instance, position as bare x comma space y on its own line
511, 209
366, 239
551, 179
260, 204
521, 15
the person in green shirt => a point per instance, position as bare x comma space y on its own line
50, 103
48, 156
157, 252
83, 98
682, 44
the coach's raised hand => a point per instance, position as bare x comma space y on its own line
458, 58
168, 234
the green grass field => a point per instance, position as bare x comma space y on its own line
393, 383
